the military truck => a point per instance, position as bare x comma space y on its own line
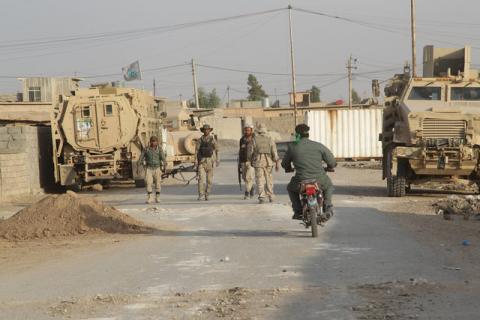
431, 124
99, 132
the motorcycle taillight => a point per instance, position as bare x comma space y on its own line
310, 190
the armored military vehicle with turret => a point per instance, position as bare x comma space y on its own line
431, 124
99, 132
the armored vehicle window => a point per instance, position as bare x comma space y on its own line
108, 110
425, 93
34, 94
465, 93
86, 112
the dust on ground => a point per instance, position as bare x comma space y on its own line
395, 299
68, 215
233, 303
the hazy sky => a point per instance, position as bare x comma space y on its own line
380, 40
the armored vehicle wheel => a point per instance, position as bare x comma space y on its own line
140, 183
76, 187
396, 186
190, 142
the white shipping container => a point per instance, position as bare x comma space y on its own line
347, 133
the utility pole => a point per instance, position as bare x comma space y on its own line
292, 59
154, 88
414, 38
228, 96
195, 87
350, 66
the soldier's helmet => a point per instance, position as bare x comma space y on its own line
262, 128
153, 139
206, 127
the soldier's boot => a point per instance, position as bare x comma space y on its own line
157, 197
200, 197
247, 194
149, 198
252, 193
297, 216
206, 197
328, 212
271, 199
261, 201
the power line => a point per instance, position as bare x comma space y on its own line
143, 71
267, 73
130, 33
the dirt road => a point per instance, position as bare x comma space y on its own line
379, 258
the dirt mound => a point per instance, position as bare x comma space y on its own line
68, 215
467, 206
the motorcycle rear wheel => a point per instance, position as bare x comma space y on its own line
313, 220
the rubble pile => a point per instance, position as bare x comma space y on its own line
451, 186
467, 206
372, 164
68, 215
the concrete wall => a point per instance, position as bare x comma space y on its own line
25, 112
25, 161
284, 126
224, 128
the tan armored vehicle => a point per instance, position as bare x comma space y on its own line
431, 124
181, 136
98, 134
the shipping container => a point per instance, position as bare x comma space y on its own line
349, 134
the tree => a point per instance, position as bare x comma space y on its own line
315, 94
213, 99
355, 97
207, 100
255, 90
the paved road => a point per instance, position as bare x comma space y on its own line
228, 242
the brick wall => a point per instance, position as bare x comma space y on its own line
25, 161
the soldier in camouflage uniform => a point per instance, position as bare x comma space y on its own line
265, 157
153, 160
308, 157
206, 155
245, 154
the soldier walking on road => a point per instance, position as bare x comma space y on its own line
245, 155
153, 160
264, 158
206, 155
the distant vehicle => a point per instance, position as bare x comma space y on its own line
99, 133
431, 124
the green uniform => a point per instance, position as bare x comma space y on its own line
153, 160
308, 157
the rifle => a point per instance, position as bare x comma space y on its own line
180, 170
239, 171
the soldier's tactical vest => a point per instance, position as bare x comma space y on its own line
206, 148
262, 144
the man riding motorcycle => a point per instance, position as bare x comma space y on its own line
307, 157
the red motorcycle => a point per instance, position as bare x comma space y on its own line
312, 199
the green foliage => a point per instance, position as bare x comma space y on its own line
207, 100
356, 99
255, 90
315, 94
